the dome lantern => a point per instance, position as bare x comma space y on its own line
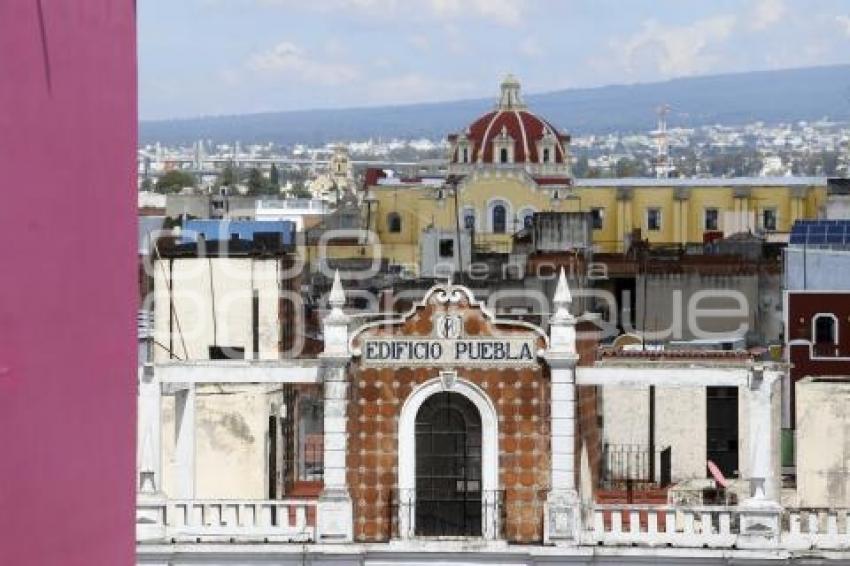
510, 98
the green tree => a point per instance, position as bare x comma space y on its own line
274, 177
581, 167
228, 177
147, 184
258, 184
626, 168
174, 181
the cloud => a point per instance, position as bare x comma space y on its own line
530, 47
420, 41
844, 22
674, 50
416, 87
765, 13
288, 58
503, 12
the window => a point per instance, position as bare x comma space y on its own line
466, 155
469, 220
503, 155
226, 353
394, 222
545, 155
653, 219
528, 220
447, 248
768, 219
711, 219
500, 214
597, 218
825, 329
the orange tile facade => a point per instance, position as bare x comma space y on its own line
521, 399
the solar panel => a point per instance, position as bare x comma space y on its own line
798, 238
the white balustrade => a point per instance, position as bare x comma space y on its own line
711, 527
810, 528
240, 520
650, 525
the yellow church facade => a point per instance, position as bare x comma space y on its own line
510, 163
666, 211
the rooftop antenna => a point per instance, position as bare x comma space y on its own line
662, 159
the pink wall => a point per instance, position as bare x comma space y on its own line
67, 281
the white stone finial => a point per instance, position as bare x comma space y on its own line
563, 298
336, 299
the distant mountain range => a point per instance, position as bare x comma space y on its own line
770, 96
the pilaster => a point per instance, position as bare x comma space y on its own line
150, 501
562, 511
760, 513
335, 521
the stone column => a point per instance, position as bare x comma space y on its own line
150, 501
335, 509
760, 513
184, 409
562, 512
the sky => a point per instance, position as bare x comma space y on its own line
213, 57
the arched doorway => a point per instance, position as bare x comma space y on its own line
448, 467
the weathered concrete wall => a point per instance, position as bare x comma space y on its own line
668, 297
212, 301
814, 269
231, 452
680, 417
625, 413
823, 443
680, 422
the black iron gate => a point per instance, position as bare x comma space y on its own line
448, 467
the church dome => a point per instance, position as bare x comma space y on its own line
510, 134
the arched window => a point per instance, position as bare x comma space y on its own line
448, 467
528, 220
545, 155
469, 220
825, 329
500, 216
503, 155
394, 222
466, 155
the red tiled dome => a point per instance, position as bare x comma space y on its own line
514, 119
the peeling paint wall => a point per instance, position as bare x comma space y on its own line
195, 323
231, 451
823, 443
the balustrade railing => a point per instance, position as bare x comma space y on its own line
813, 528
429, 513
286, 520
650, 525
706, 526
710, 527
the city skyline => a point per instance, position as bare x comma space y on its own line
196, 59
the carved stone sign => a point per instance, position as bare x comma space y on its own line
463, 352
448, 346
455, 331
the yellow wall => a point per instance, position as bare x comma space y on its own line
625, 208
